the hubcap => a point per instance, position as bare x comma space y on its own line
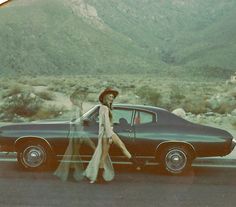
175, 160
33, 156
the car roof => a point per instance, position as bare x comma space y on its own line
152, 109
136, 106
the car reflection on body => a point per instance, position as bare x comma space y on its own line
152, 134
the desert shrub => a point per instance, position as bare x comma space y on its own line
176, 96
221, 103
233, 122
46, 95
92, 97
224, 108
149, 95
61, 87
195, 105
47, 112
13, 90
232, 92
36, 81
6, 83
22, 104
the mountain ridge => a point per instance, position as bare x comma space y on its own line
79, 37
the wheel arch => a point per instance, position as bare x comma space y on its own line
21, 140
184, 144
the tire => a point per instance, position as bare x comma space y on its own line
175, 160
34, 156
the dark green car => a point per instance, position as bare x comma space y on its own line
152, 134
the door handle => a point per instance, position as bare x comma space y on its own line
128, 130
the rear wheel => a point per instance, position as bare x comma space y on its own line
34, 155
175, 159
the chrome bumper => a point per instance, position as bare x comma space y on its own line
233, 144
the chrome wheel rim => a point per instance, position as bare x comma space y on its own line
33, 156
175, 160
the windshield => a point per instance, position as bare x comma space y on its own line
86, 114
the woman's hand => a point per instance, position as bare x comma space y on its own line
110, 141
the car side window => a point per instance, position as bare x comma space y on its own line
122, 116
142, 117
167, 118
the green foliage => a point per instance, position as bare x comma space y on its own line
48, 112
232, 92
46, 95
13, 90
195, 105
149, 95
176, 96
28, 105
22, 104
233, 122
224, 108
53, 38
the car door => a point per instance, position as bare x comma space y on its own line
122, 125
144, 124
90, 129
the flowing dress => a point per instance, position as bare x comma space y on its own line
71, 159
105, 131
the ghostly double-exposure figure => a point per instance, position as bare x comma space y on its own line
71, 160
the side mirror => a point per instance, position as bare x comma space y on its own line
73, 120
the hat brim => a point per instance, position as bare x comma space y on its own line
101, 96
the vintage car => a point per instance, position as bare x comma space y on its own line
154, 135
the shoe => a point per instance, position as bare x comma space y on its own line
92, 181
136, 163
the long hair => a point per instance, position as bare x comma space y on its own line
104, 102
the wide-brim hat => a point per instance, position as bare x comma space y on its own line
108, 90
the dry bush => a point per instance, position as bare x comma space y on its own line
232, 92
46, 95
176, 96
92, 97
195, 105
233, 122
149, 95
15, 89
22, 104
6, 83
224, 108
36, 80
58, 87
47, 112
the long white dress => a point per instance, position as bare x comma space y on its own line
71, 158
105, 131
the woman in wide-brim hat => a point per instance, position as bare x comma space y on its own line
105, 92
69, 162
100, 166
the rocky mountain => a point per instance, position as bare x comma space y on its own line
165, 37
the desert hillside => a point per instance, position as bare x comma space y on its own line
179, 38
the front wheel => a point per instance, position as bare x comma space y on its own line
33, 156
175, 160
